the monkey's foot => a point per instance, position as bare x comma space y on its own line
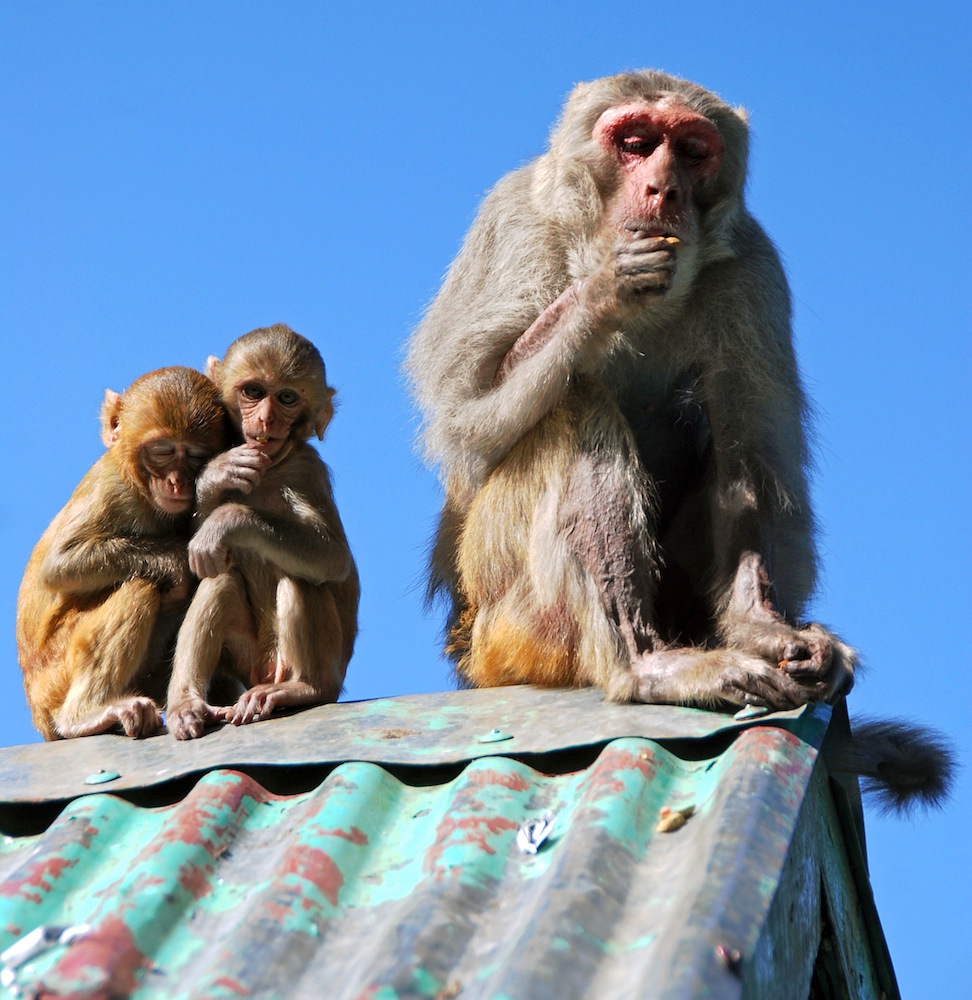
263, 699
138, 716
811, 656
188, 719
714, 678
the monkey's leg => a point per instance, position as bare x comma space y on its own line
605, 519
103, 657
766, 660
761, 560
309, 667
617, 546
815, 659
528, 575
218, 622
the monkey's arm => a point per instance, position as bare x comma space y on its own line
765, 560
307, 543
87, 552
79, 564
499, 344
289, 519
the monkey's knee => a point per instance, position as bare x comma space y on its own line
218, 601
110, 643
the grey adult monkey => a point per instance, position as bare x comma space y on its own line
609, 387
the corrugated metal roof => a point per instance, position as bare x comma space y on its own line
370, 850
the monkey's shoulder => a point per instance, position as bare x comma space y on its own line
303, 473
106, 504
515, 219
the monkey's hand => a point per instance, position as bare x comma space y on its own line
631, 272
240, 469
209, 550
137, 715
188, 719
645, 265
813, 658
178, 585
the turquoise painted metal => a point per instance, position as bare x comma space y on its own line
427, 729
389, 881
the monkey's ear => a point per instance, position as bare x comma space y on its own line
212, 368
110, 414
324, 414
742, 113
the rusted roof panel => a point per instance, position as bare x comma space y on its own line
382, 881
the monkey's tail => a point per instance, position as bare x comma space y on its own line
901, 765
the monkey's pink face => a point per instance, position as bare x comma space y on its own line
172, 466
662, 151
267, 412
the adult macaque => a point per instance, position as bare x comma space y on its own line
278, 595
609, 385
108, 582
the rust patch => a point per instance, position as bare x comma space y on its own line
39, 880
504, 779
102, 965
233, 985
314, 865
355, 835
472, 830
195, 880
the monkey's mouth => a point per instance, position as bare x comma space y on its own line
172, 505
644, 231
266, 442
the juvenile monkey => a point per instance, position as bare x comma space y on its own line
108, 582
277, 600
609, 386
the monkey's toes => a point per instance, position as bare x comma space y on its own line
252, 707
140, 717
188, 722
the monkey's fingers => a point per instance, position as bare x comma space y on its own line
254, 705
188, 720
764, 686
264, 699
644, 263
209, 562
139, 717
821, 683
652, 272
715, 677
650, 244
819, 662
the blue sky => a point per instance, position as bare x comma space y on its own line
174, 174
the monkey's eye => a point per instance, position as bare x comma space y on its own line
639, 143
288, 397
253, 390
693, 150
160, 451
196, 458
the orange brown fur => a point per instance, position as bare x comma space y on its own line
108, 582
